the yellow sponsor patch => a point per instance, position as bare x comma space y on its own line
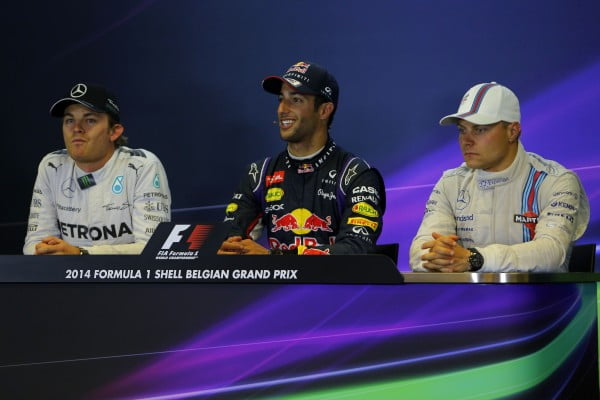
363, 222
274, 194
231, 207
365, 209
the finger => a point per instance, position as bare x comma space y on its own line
41, 250
438, 252
431, 267
434, 260
443, 251
428, 245
447, 239
232, 245
225, 252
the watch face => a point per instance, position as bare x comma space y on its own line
475, 260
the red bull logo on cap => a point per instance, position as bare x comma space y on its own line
300, 67
301, 221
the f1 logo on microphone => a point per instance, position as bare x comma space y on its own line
195, 239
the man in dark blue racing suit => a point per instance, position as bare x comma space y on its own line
314, 197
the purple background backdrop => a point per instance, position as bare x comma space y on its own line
188, 76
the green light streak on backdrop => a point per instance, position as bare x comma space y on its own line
488, 382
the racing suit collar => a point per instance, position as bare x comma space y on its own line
488, 180
311, 164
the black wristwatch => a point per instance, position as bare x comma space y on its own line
475, 260
83, 252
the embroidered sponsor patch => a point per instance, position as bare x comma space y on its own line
363, 222
274, 194
365, 209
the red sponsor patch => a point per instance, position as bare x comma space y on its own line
277, 177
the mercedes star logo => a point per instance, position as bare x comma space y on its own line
68, 188
78, 90
463, 199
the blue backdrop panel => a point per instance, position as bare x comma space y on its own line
188, 76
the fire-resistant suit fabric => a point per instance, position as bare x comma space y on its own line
332, 203
113, 210
522, 219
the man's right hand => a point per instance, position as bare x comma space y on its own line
233, 245
52, 245
237, 245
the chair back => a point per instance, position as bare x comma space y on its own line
583, 258
388, 249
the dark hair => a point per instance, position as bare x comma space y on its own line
322, 100
121, 140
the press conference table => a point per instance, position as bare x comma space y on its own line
235, 327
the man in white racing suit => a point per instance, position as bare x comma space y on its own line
97, 196
503, 209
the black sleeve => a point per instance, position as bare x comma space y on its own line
362, 212
245, 210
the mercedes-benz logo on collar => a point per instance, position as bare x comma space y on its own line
78, 90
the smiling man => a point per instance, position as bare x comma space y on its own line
313, 198
96, 196
503, 209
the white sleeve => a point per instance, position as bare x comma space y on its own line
151, 205
562, 220
439, 217
42, 220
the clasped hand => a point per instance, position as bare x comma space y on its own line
52, 245
237, 245
445, 254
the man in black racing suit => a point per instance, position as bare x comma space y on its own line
314, 197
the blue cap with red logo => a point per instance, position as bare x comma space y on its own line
308, 78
